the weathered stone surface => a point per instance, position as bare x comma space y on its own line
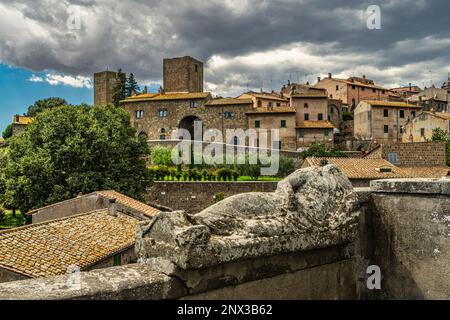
129, 282
312, 208
412, 186
411, 228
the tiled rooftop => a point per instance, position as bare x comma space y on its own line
358, 168
168, 96
130, 202
367, 168
228, 101
49, 248
22, 120
323, 124
391, 104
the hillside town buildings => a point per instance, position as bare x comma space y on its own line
351, 113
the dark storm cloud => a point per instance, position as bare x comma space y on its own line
245, 43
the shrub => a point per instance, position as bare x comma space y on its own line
219, 197
173, 173
320, 150
286, 167
161, 156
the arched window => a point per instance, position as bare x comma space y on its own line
259, 104
235, 141
143, 135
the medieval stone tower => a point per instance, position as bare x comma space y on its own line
183, 75
104, 83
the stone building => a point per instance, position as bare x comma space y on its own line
183, 74
269, 101
430, 154
104, 83
80, 233
19, 124
432, 98
281, 118
352, 90
382, 121
421, 127
408, 91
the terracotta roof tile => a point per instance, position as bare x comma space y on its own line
49, 248
358, 168
391, 104
130, 202
228, 101
323, 124
22, 120
168, 96
274, 110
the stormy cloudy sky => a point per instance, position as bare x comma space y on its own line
244, 43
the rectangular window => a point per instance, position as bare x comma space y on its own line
162, 113
337, 88
326, 134
393, 157
117, 260
257, 124
422, 132
413, 114
402, 113
320, 117
162, 137
386, 129
301, 134
306, 105
363, 89
386, 113
278, 104
193, 103
353, 87
374, 90
283, 124
139, 114
306, 115
383, 92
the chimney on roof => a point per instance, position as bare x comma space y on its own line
289, 82
112, 207
307, 83
318, 79
323, 162
330, 75
364, 76
145, 90
410, 86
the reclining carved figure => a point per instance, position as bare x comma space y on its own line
312, 208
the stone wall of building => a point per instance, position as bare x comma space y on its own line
411, 237
104, 83
155, 127
8, 276
183, 75
194, 197
419, 154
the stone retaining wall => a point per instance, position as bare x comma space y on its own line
194, 197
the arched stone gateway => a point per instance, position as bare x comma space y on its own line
188, 123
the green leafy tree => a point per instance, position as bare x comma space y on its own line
320, 150
44, 104
72, 150
131, 86
442, 135
8, 132
119, 91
